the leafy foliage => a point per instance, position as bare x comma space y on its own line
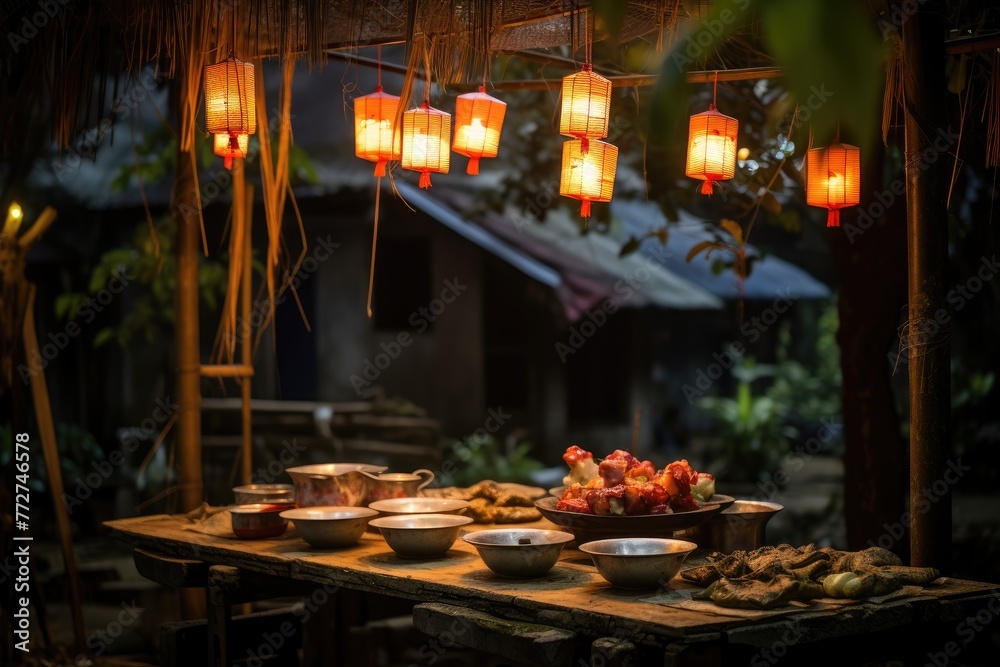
480, 457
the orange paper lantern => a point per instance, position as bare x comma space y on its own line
586, 105
229, 146
588, 174
426, 139
478, 121
833, 179
375, 138
711, 154
229, 109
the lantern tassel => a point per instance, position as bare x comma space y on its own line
706, 187
473, 168
227, 162
425, 180
380, 168
584, 145
585, 208
833, 218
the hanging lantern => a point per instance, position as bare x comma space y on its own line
586, 104
229, 110
375, 138
478, 121
711, 152
588, 174
223, 147
426, 136
833, 179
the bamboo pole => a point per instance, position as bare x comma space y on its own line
226, 370
246, 352
50, 452
927, 232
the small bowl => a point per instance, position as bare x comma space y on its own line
259, 520
421, 535
330, 527
520, 553
638, 562
264, 493
411, 506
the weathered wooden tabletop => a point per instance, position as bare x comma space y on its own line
572, 597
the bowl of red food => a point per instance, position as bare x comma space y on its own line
625, 497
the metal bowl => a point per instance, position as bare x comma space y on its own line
519, 552
638, 563
421, 535
717, 499
330, 527
408, 506
251, 522
332, 484
264, 493
740, 526
591, 527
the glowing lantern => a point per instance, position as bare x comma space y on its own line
478, 121
223, 147
588, 174
586, 102
228, 109
711, 152
375, 138
833, 179
426, 137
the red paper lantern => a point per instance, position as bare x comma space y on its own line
833, 179
711, 154
478, 122
375, 136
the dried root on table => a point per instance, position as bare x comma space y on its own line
773, 576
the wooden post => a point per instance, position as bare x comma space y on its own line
927, 246
185, 201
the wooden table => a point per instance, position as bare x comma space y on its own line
573, 601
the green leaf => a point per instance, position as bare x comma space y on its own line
103, 336
733, 228
610, 16
630, 246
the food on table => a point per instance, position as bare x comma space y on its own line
773, 576
622, 484
495, 502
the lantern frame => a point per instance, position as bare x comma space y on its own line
435, 124
586, 105
838, 160
381, 108
478, 143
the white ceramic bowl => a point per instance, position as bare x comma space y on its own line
410, 506
420, 535
330, 527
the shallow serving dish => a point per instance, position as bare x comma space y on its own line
408, 506
259, 520
420, 535
519, 552
638, 563
590, 527
330, 527
264, 493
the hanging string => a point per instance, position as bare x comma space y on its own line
715, 90
588, 37
378, 56
371, 269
